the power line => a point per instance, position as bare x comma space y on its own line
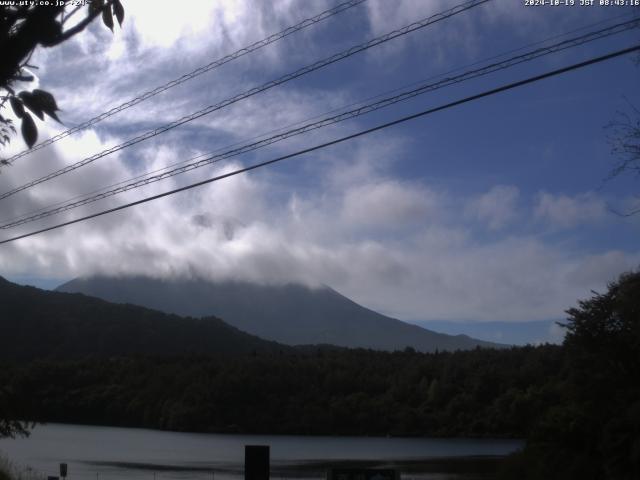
407, 118
362, 101
198, 71
285, 78
362, 110
68, 204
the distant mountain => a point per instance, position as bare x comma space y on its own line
514, 333
290, 314
37, 323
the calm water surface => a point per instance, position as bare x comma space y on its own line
108, 453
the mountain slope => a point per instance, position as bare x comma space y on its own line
291, 314
41, 324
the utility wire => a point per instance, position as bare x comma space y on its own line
288, 126
286, 78
365, 109
344, 107
362, 101
198, 71
407, 118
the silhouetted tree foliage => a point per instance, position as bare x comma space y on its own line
624, 138
9, 413
316, 390
23, 28
594, 432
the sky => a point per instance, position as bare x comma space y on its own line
495, 210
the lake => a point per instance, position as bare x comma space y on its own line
108, 453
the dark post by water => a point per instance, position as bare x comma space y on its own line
256, 462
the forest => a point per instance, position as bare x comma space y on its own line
325, 391
577, 404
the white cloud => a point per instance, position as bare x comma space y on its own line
161, 42
566, 211
402, 246
497, 207
166, 23
435, 269
433, 41
385, 16
389, 204
602, 267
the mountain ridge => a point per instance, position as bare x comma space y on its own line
47, 324
292, 314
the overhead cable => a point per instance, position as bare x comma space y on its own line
407, 118
198, 71
266, 86
362, 110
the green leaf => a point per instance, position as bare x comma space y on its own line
95, 6
17, 106
31, 103
107, 18
118, 10
29, 130
46, 102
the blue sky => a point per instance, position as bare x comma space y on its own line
494, 210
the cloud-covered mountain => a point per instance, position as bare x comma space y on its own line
43, 324
292, 314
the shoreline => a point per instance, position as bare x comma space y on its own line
477, 465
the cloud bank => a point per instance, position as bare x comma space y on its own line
408, 246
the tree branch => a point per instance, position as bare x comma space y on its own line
73, 12
82, 25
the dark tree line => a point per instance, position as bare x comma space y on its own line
320, 391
